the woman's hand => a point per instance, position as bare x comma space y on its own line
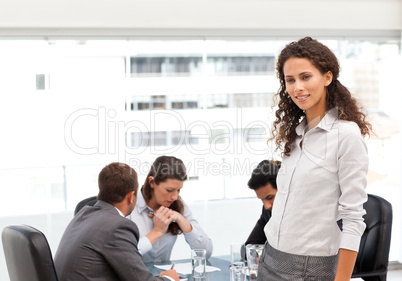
175, 215
184, 225
162, 218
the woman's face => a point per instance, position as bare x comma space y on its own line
306, 85
165, 193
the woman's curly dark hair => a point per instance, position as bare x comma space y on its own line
164, 168
289, 115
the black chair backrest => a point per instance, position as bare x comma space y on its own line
88, 201
375, 242
27, 254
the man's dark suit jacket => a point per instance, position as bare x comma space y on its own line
100, 244
257, 235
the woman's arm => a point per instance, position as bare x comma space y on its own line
184, 225
346, 262
196, 238
352, 173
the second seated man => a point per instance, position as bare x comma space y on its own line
263, 182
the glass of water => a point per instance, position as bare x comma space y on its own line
237, 271
198, 263
235, 253
253, 252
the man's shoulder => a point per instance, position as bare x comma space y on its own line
106, 216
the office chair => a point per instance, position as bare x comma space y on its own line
372, 259
88, 201
27, 254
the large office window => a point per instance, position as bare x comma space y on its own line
72, 107
240, 64
165, 66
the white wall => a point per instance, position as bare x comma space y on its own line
197, 17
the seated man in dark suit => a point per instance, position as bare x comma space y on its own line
263, 182
100, 243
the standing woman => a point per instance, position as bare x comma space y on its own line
161, 214
320, 130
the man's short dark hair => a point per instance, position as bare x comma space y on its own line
264, 173
115, 181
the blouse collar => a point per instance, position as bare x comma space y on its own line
326, 123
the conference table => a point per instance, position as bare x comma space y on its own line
222, 263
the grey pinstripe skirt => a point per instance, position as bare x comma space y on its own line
280, 266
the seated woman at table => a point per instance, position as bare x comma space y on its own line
161, 214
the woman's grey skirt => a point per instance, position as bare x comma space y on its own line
280, 266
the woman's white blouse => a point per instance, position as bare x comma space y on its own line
318, 184
161, 249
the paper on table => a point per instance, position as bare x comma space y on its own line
185, 268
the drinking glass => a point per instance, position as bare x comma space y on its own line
237, 271
253, 252
198, 263
235, 253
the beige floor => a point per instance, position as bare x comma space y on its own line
394, 275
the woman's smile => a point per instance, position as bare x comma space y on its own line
302, 98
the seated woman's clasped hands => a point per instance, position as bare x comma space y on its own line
163, 217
